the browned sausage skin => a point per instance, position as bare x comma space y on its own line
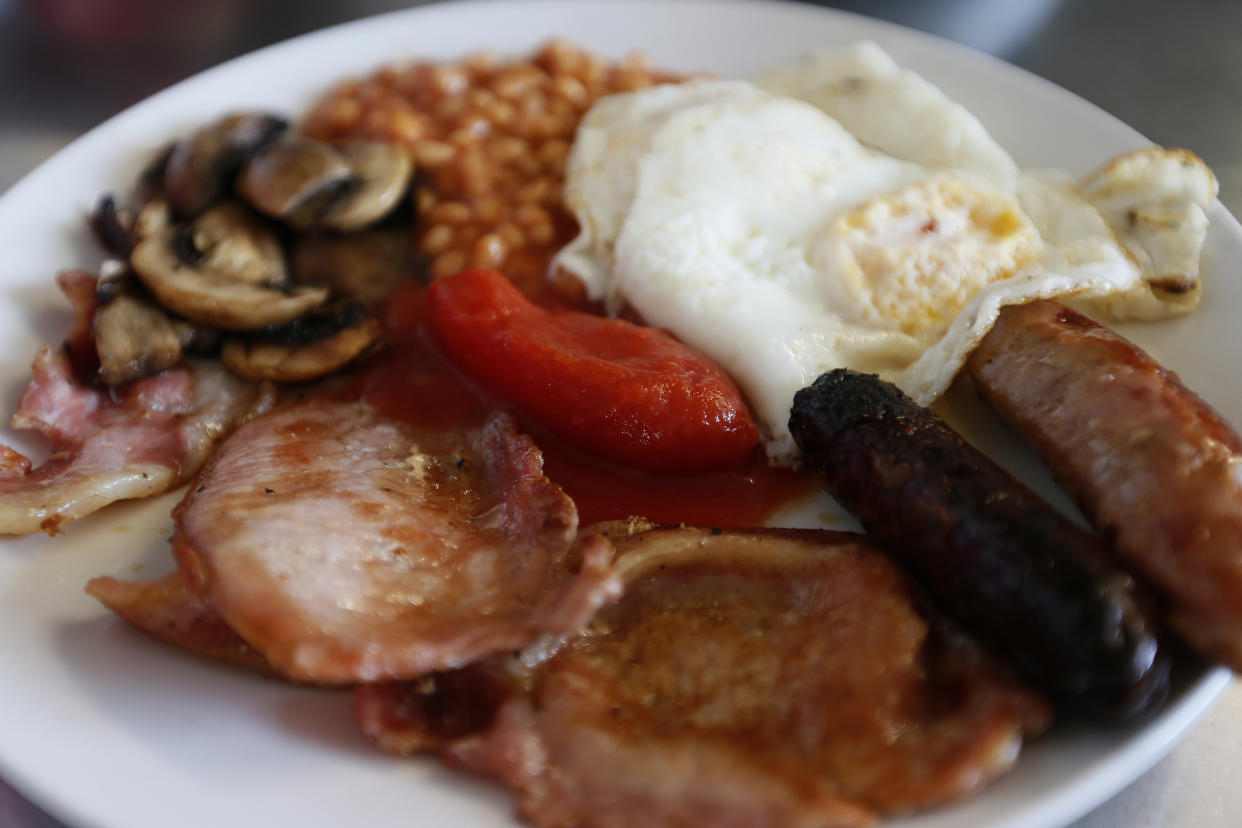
1035, 588
1153, 467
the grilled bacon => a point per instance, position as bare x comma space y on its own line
345, 546
137, 440
745, 677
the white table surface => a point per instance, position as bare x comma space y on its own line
1173, 70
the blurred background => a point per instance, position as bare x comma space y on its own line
1173, 70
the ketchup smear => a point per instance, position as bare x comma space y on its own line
413, 381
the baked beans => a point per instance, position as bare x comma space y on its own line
490, 138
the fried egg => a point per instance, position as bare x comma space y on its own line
856, 217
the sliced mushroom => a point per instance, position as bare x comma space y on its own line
113, 226
295, 179
155, 218
203, 165
382, 172
313, 185
229, 238
113, 220
364, 267
225, 270
135, 338
308, 348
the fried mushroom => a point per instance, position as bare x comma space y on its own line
382, 173
113, 221
202, 166
294, 179
313, 185
305, 349
226, 269
361, 267
135, 338
113, 226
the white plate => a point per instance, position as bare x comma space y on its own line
104, 728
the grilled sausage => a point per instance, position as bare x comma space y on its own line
1024, 580
1156, 470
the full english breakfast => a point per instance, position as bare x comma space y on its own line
484, 377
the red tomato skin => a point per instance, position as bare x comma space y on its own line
630, 394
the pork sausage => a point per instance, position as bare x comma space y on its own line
1033, 587
1156, 470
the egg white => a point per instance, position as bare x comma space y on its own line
859, 219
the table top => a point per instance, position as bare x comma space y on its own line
1171, 70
